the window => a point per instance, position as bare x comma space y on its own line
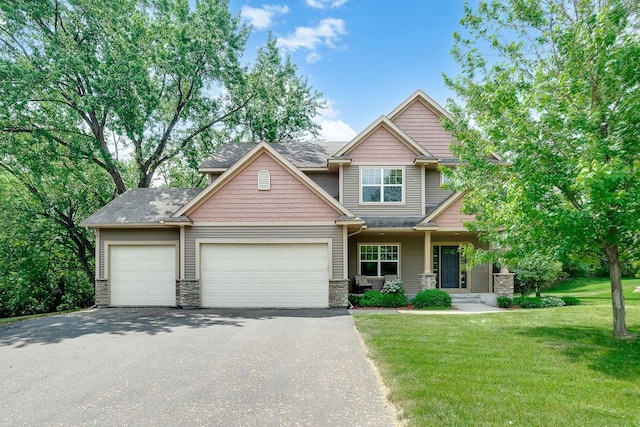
444, 179
381, 185
378, 260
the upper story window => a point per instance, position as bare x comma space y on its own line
381, 185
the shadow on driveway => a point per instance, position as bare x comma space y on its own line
152, 321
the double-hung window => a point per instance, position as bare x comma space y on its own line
381, 185
379, 260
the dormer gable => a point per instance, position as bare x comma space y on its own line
383, 140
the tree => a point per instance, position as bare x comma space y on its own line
155, 78
97, 97
554, 86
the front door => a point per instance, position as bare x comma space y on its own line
450, 267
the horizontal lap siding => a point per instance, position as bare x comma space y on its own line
411, 256
138, 236
413, 197
327, 181
433, 194
264, 232
480, 278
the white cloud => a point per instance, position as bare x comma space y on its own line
325, 4
331, 127
326, 33
313, 57
262, 18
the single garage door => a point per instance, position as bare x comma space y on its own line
270, 275
143, 275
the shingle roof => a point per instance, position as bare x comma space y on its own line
305, 154
391, 221
142, 206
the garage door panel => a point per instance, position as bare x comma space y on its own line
142, 275
264, 275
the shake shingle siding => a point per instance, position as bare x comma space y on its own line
264, 233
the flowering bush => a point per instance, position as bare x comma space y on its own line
393, 287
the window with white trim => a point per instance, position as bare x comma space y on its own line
379, 260
381, 185
444, 179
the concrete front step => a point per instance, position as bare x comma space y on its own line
475, 298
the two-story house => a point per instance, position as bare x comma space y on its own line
291, 224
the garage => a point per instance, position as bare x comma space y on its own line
269, 275
142, 275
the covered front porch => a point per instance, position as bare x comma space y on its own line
422, 259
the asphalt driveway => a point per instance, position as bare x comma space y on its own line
168, 367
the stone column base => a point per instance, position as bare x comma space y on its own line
427, 281
102, 293
503, 284
338, 293
188, 293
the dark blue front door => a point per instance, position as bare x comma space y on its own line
450, 267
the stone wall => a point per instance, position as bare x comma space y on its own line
102, 292
503, 284
188, 293
338, 293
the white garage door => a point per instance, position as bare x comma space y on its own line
143, 275
264, 275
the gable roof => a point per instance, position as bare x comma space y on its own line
383, 121
245, 160
420, 96
302, 154
141, 207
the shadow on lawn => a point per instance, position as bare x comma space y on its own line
596, 347
152, 321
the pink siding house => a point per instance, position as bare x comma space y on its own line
290, 224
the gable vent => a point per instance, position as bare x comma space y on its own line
264, 180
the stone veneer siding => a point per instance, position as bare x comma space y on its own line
102, 292
338, 293
188, 293
427, 281
503, 284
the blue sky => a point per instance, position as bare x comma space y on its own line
365, 56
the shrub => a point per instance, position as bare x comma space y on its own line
376, 298
431, 298
570, 300
528, 302
393, 287
354, 299
504, 302
552, 302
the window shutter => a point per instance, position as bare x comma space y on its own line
264, 180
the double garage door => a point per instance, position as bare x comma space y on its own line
288, 275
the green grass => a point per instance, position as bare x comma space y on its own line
542, 367
4, 320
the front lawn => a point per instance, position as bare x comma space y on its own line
544, 367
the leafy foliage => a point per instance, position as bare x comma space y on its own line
533, 274
392, 287
375, 298
431, 298
569, 181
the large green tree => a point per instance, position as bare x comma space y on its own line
151, 79
97, 97
553, 86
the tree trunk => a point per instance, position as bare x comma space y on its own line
617, 298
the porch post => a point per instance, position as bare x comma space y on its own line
427, 279
503, 282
